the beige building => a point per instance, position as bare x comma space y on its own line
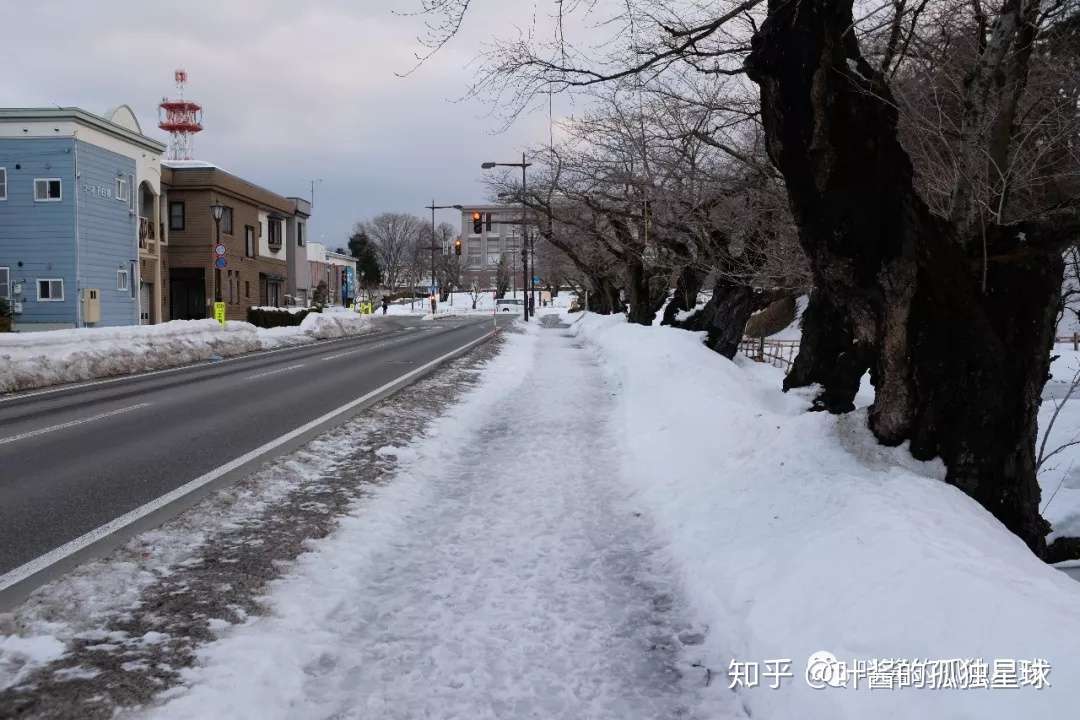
488, 232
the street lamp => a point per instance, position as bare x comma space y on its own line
524, 219
217, 210
433, 207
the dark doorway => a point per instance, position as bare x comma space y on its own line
187, 293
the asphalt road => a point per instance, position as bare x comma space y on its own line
75, 459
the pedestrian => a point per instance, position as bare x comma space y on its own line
385, 303
532, 304
434, 303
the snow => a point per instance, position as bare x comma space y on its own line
461, 304
34, 360
81, 602
794, 330
188, 164
1059, 477
501, 573
795, 532
20, 655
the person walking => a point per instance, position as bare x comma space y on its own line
385, 304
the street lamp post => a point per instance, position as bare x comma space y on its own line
433, 207
524, 219
217, 210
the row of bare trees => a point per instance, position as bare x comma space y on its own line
916, 163
404, 242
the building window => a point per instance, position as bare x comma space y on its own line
50, 290
226, 221
176, 216
122, 280
299, 234
249, 241
247, 289
3, 183
5, 283
488, 223
122, 189
493, 258
47, 190
274, 237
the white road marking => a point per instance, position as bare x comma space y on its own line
256, 376
70, 423
335, 356
42, 562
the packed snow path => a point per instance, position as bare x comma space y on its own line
502, 574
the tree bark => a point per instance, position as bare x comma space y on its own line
687, 288
957, 371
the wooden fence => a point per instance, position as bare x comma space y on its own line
1074, 339
780, 353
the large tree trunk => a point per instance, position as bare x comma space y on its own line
958, 368
687, 288
603, 296
645, 292
725, 315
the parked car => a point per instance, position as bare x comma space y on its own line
509, 305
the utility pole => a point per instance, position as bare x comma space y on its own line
524, 219
433, 207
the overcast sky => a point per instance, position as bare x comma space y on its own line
292, 91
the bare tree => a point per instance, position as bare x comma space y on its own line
934, 227
394, 235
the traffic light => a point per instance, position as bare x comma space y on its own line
477, 223
457, 246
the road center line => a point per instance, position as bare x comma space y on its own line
256, 376
71, 423
335, 356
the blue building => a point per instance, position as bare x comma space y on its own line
79, 199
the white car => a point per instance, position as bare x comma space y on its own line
509, 305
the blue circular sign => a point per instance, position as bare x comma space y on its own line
220, 263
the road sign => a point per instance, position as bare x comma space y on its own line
221, 263
219, 313
536, 280
219, 250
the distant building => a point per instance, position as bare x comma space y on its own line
80, 234
254, 230
335, 270
499, 234
297, 276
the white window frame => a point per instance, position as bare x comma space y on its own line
50, 280
47, 182
3, 173
5, 272
123, 280
122, 189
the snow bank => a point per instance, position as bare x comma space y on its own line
33, 360
794, 532
460, 303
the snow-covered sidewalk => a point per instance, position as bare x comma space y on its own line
503, 573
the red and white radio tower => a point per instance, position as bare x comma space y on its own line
181, 119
